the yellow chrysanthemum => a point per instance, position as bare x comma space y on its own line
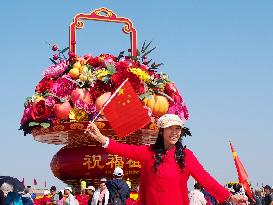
37, 98
143, 75
101, 73
77, 115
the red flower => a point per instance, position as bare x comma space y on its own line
44, 85
100, 88
186, 112
27, 114
40, 111
156, 75
122, 66
137, 84
94, 62
108, 56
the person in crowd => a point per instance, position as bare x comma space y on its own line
11, 197
2, 198
196, 196
26, 197
268, 197
45, 200
101, 195
62, 197
54, 196
70, 199
166, 165
31, 192
81, 197
257, 197
210, 199
90, 192
118, 188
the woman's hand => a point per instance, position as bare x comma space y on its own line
238, 199
95, 133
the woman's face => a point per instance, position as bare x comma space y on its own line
102, 186
171, 135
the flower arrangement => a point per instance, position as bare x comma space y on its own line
74, 88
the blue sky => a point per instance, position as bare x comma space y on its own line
219, 54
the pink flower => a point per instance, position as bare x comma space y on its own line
90, 108
56, 70
62, 87
50, 101
79, 104
180, 110
27, 114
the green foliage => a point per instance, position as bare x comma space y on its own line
31, 124
45, 124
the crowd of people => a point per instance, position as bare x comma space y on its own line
117, 192
110, 192
263, 196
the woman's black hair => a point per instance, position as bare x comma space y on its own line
159, 149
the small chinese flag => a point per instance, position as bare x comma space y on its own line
242, 175
34, 182
124, 111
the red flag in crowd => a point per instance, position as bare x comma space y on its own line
34, 182
242, 175
124, 110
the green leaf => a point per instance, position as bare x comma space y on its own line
31, 124
47, 94
105, 79
112, 70
134, 58
145, 48
145, 54
163, 94
62, 100
52, 61
65, 49
143, 45
28, 99
145, 95
45, 124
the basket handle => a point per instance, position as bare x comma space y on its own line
102, 14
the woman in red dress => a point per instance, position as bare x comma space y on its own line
166, 165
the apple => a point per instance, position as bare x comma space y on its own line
102, 99
82, 94
61, 110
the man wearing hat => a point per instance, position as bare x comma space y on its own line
166, 166
268, 198
70, 200
89, 192
118, 188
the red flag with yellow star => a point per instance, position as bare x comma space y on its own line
242, 175
125, 111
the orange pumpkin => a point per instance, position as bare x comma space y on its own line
158, 104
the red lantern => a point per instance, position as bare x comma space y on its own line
71, 164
